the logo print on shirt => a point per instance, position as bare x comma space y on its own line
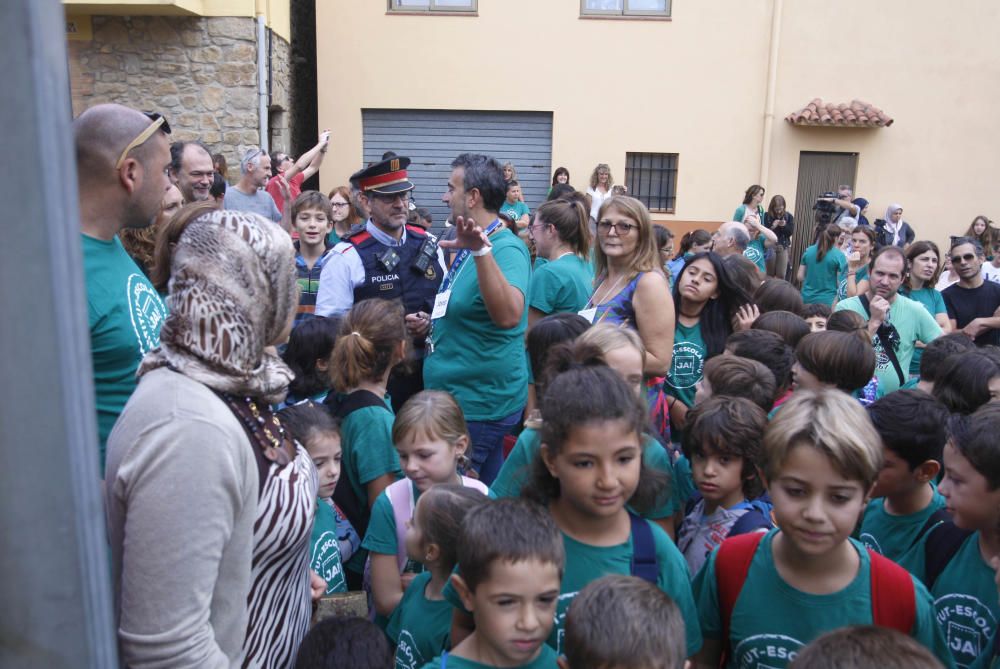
967, 624
686, 365
147, 313
326, 562
766, 651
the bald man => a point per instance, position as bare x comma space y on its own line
731, 238
122, 157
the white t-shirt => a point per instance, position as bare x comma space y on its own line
597, 198
991, 273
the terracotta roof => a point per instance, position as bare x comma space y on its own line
858, 114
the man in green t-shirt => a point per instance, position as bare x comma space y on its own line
476, 343
892, 317
122, 161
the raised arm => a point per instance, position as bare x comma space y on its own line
309, 162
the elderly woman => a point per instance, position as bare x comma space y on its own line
210, 504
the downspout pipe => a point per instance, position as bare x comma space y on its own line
262, 75
772, 82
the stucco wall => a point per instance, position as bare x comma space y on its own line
696, 85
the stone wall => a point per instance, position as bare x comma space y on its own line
201, 73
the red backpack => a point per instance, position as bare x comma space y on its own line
892, 594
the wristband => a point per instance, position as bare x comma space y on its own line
486, 250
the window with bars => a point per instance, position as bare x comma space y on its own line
625, 7
469, 6
652, 179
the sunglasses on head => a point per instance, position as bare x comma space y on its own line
156, 121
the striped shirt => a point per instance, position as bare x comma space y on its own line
308, 280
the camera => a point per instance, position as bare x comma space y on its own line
825, 209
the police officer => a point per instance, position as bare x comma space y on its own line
386, 258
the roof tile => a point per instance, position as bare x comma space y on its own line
857, 114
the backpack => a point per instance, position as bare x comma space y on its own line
644, 562
355, 509
401, 500
942, 543
892, 593
757, 517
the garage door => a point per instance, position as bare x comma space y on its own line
432, 139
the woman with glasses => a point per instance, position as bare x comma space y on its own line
924, 260
345, 216
631, 288
561, 234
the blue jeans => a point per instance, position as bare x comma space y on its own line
487, 444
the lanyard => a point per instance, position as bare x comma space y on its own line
459, 262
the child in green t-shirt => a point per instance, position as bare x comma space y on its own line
419, 626
907, 504
510, 565
431, 439
953, 559
621, 622
590, 466
316, 429
821, 458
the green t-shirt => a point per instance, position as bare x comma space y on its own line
125, 315
913, 322
862, 275
419, 627
540, 262
324, 554
515, 211
820, 286
933, 302
561, 285
892, 535
516, 470
546, 660
483, 366
332, 239
755, 252
586, 563
771, 621
965, 598
368, 451
687, 363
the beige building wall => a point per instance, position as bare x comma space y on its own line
697, 85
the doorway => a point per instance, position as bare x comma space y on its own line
819, 172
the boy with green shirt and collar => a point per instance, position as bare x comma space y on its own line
510, 566
907, 503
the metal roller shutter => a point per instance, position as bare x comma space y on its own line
433, 138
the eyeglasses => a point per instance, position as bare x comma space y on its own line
338, 205
156, 121
391, 197
621, 229
968, 257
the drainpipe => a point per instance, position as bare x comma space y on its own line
772, 80
261, 75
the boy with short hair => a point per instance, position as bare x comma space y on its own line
935, 353
514, 207
953, 558
736, 376
769, 349
722, 441
344, 642
907, 503
624, 622
312, 220
761, 597
865, 647
510, 567
816, 315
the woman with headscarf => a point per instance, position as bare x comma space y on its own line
862, 205
893, 230
209, 501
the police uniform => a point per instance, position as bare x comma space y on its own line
370, 263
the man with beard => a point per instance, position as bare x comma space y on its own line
896, 323
122, 157
973, 303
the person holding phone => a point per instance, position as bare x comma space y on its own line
780, 221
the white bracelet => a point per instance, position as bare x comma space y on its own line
486, 250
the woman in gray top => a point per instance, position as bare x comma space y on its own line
184, 467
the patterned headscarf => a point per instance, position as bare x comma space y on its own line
232, 292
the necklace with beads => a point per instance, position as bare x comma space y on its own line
263, 427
